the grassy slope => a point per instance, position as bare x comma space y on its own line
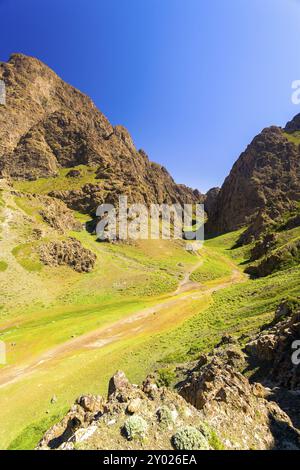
239, 310
59, 183
126, 279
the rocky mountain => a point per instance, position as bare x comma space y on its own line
210, 200
264, 182
47, 125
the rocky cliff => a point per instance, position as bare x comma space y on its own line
47, 125
264, 180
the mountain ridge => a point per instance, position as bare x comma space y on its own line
48, 125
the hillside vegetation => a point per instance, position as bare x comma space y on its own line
55, 328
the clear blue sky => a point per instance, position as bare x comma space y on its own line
192, 80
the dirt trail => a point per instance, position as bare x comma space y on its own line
142, 321
186, 284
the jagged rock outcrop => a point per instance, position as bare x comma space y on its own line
217, 406
282, 258
55, 213
68, 252
273, 348
132, 417
237, 409
81, 414
47, 125
265, 178
263, 246
294, 124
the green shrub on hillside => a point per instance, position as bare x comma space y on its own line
189, 438
165, 377
166, 417
135, 427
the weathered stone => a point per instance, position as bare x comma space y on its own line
91, 403
68, 252
118, 383
238, 410
134, 405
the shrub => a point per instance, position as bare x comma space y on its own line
135, 427
166, 417
215, 442
165, 377
211, 436
189, 438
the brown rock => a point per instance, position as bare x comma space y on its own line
73, 174
134, 406
272, 348
259, 391
91, 403
68, 252
210, 200
118, 383
240, 414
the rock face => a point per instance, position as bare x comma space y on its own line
263, 246
237, 409
265, 178
68, 252
282, 258
210, 200
79, 417
274, 348
48, 125
132, 417
57, 215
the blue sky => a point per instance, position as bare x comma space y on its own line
193, 80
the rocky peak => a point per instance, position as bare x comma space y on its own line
293, 125
48, 125
266, 177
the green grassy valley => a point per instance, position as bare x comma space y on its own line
149, 305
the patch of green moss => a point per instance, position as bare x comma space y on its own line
3, 266
27, 258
